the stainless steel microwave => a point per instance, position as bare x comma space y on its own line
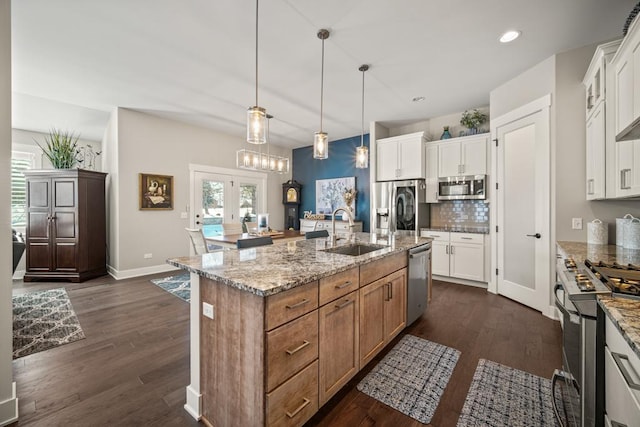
470, 187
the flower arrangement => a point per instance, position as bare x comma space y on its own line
472, 119
61, 149
349, 196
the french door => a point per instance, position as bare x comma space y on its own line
523, 205
225, 198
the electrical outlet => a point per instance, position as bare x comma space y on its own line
148, 256
207, 310
576, 223
184, 215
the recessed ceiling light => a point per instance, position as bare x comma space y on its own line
418, 99
509, 36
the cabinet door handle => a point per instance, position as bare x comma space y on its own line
451, 251
343, 305
466, 238
446, 249
298, 348
390, 291
344, 285
618, 358
305, 402
590, 186
623, 179
298, 304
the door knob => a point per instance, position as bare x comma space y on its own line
537, 235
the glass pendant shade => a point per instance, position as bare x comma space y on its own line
320, 145
256, 125
362, 157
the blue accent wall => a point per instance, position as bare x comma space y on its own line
341, 163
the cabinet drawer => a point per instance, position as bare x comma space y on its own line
294, 402
617, 344
377, 269
288, 305
291, 347
467, 238
621, 402
339, 284
435, 235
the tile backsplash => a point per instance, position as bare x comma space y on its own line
460, 213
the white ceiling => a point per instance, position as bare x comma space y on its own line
194, 61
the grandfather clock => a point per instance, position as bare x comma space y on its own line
291, 200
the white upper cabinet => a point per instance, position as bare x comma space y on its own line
463, 156
628, 168
432, 173
401, 157
599, 115
626, 64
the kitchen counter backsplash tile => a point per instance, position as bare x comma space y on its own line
478, 229
625, 314
460, 214
267, 270
580, 251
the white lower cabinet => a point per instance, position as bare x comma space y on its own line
622, 379
455, 254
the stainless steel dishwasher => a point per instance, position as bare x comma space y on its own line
418, 281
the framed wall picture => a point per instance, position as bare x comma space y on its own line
329, 193
155, 191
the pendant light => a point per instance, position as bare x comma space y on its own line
256, 116
362, 152
259, 161
321, 139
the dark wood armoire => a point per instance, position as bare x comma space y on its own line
66, 225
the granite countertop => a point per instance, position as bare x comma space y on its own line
625, 314
580, 251
460, 229
267, 270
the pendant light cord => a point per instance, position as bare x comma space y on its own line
256, 53
321, 85
362, 134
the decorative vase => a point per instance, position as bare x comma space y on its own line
445, 134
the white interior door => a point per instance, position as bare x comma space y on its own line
523, 202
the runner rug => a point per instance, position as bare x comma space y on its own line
43, 320
504, 396
412, 377
179, 285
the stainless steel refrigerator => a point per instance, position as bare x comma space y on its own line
400, 205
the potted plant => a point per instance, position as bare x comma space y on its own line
61, 148
472, 120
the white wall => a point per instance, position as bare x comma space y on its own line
8, 400
434, 126
148, 144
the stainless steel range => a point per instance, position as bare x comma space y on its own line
581, 283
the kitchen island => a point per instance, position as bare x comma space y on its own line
284, 327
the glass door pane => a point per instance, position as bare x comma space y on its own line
212, 212
248, 202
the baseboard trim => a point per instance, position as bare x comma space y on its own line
552, 312
483, 285
194, 403
135, 272
9, 408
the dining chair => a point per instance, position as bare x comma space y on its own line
308, 226
252, 227
231, 228
253, 242
198, 241
315, 234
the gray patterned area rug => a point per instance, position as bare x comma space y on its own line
504, 396
412, 377
43, 320
179, 285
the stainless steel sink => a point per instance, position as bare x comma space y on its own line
354, 249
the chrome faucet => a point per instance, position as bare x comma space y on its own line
333, 222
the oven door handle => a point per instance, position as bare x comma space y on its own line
559, 303
566, 377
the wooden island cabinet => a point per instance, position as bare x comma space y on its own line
276, 360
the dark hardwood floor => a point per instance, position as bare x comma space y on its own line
132, 369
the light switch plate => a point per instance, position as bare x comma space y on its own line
576, 223
207, 310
